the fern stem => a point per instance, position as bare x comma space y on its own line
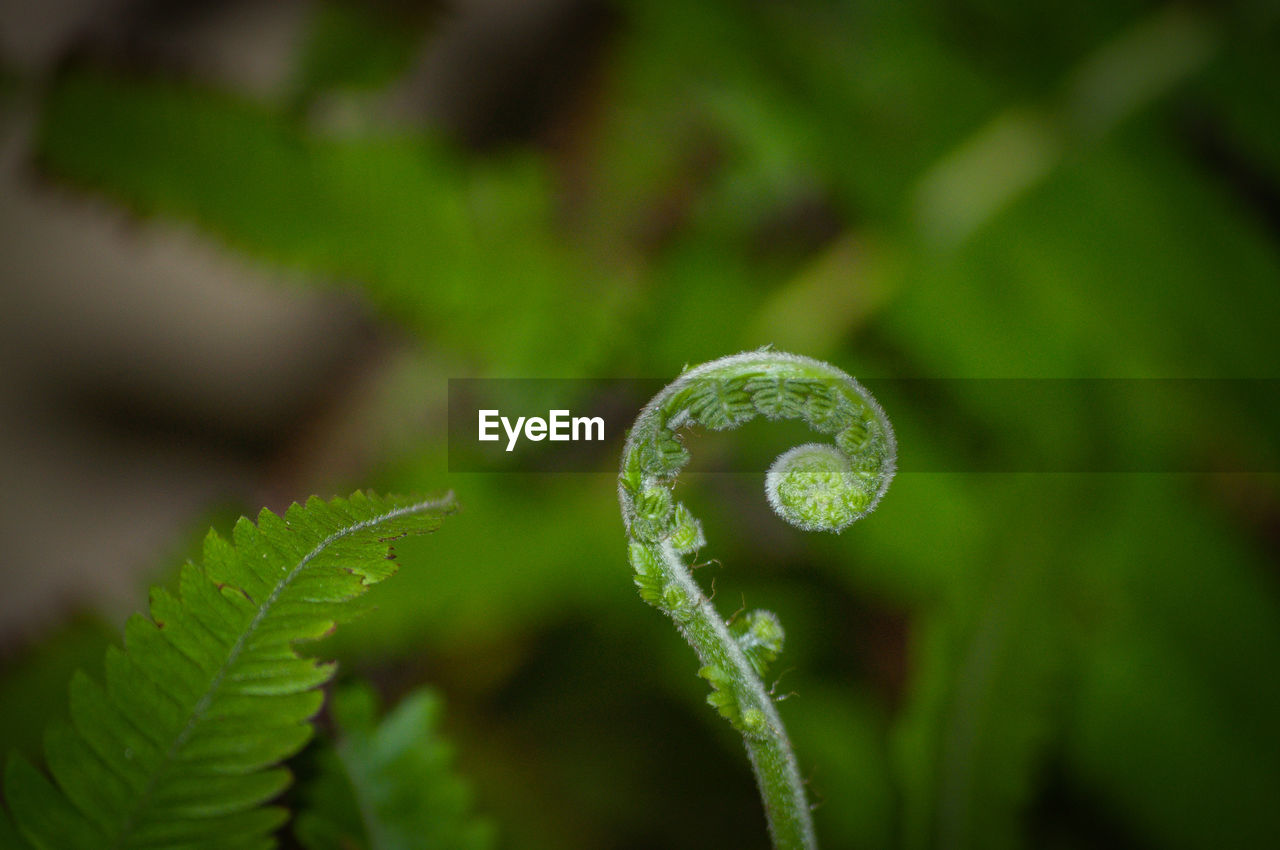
821, 487
772, 759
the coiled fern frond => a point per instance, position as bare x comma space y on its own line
816, 487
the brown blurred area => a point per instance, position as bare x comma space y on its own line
145, 372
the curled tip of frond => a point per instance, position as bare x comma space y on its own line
815, 488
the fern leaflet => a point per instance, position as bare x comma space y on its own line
181, 748
388, 785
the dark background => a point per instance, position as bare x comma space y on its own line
244, 245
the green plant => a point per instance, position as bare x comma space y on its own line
183, 745
387, 784
817, 487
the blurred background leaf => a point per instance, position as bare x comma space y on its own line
385, 784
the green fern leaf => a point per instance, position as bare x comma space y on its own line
388, 785
181, 747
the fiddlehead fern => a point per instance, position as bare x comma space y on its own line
817, 487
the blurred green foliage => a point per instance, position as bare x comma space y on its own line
386, 783
966, 189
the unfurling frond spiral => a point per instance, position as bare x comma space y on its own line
816, 487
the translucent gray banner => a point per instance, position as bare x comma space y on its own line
1183, 425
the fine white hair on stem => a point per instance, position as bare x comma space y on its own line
816, 487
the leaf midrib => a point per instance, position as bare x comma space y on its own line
206, 699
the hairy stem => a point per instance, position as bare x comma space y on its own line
816, 487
